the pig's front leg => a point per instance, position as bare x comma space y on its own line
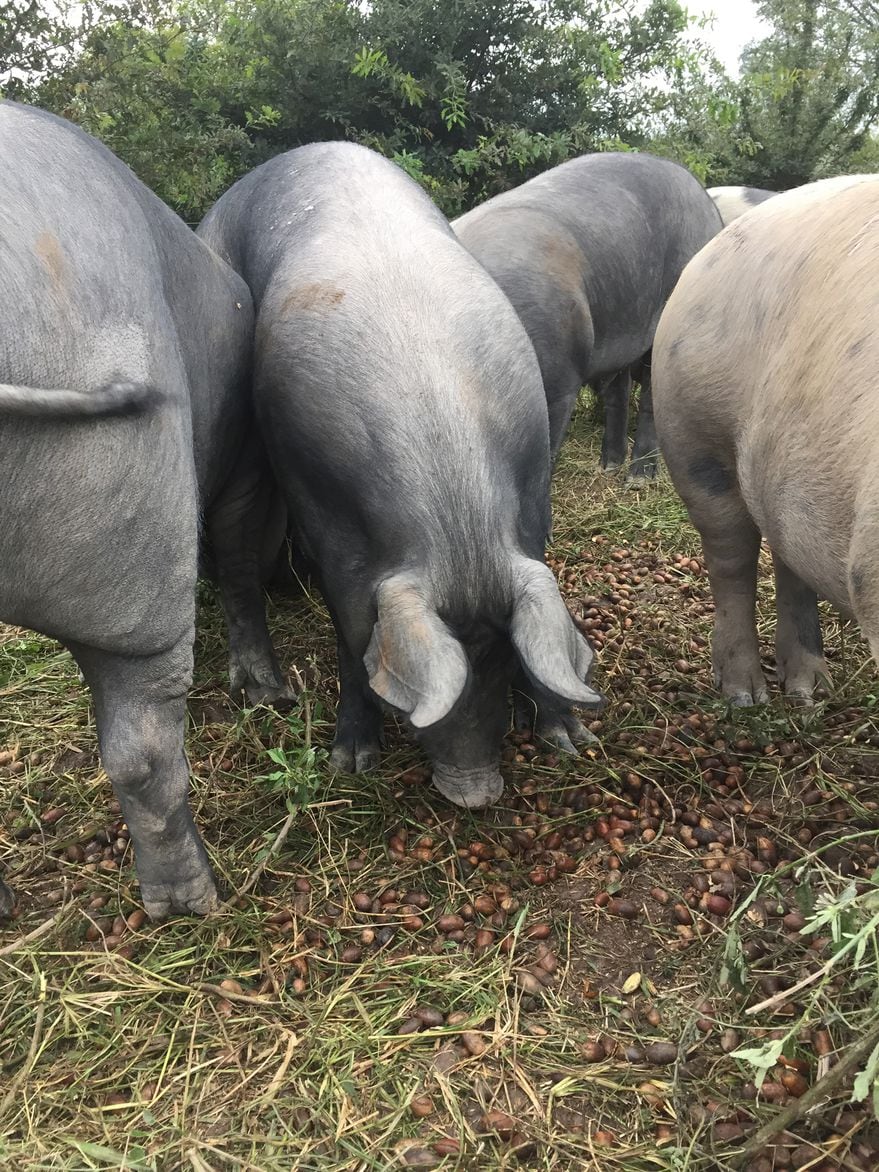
551, 720
357, 744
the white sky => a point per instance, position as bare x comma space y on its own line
735, 25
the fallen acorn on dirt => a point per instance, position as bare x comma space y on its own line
661, 1053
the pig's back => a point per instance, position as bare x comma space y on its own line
381, 328
616, 228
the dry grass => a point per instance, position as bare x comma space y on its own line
120, 1048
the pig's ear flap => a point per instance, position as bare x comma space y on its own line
553, 652
413, 659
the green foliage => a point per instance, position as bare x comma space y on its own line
300, 765
27, 33
804, 105
810, 90
471, 97
848, 914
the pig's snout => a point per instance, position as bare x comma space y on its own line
471, 788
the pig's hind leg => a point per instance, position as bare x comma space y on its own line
244, 526
799, 650
140, 709
731, 544
645, 453
863, 580
615, 392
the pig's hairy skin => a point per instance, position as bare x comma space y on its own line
124, 421
588, 253
402, 406
764, 368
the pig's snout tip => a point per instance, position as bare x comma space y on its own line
471, 788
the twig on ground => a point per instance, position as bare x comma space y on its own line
37, 932
816, 1094
31, 1058
229, 995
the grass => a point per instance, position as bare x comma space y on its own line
270, 1037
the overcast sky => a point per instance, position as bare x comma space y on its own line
736, 23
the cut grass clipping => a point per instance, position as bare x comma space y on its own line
661, 955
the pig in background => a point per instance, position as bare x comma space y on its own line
124, 418
588, 253
733, 202
764, 374
402, 406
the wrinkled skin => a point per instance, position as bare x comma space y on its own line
124, 416
403, 411
763, 374
588, 253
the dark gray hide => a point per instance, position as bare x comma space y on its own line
402, 407
124, 353
588, 253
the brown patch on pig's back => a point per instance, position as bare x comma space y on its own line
563, 261
49, 251
316, 296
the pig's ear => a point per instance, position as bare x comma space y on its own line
552, 650
413, 659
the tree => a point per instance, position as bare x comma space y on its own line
36, 38
470, 96
810, 90
804, 105
29, 36
510, 87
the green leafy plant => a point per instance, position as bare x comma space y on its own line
298, 776
850, 916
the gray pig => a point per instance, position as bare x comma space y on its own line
733, 202
588, 253
762, 371
403, 410
124, 416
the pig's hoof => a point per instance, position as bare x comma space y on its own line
277, 696
356, 757
259, 682
800, 698
470, 788
639, 480
7, 900
748, 699
611, 469
566, 733
197, 896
